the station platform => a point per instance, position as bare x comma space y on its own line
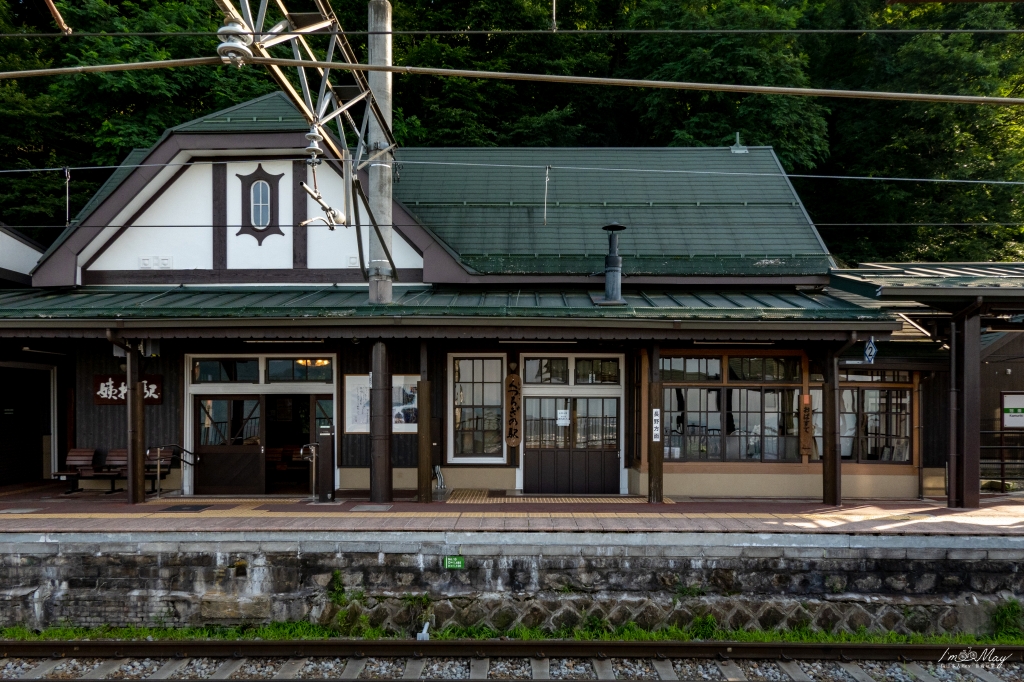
45, 509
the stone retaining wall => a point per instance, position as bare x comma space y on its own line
931, 585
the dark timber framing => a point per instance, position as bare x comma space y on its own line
299, 245
220, 222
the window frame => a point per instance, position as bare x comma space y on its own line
450, 458
861, 386
724, 384
253, 204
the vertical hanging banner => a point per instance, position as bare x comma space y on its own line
513, 410
806, 425
656, 425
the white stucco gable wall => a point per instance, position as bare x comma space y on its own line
175, 229
16, 255
338, 249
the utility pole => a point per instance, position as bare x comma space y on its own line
379, 42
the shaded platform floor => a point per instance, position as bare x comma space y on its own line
44, 509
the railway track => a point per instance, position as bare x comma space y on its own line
501, 659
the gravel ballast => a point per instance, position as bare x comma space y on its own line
445, 669
572, 669
322, 668
383, 669
510, 669
825, 671
696, 669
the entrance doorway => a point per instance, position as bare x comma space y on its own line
252, 445
24, 425
571, 445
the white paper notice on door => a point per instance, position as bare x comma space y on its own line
562, 418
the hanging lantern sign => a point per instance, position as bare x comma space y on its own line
513, 410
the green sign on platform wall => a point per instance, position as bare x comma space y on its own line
455, 562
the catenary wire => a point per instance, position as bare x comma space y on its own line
575, 32
665, 171
538, 78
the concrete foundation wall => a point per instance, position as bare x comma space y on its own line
829, 582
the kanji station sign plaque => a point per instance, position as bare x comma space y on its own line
112, 389
513, 410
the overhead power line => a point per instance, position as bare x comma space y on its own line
539, 167
535, 78
574, 32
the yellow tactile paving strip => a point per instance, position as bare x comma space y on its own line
471, 496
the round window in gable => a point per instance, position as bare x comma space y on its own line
260, 204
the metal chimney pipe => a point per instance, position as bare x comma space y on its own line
379, 48
613, 267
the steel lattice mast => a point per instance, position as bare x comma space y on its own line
245, 35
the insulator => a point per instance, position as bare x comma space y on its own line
235, 40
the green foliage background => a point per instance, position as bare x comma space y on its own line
97, 119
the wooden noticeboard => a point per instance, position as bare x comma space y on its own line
513, 410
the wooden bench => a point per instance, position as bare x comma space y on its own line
80, 464
114, 468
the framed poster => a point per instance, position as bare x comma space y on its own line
403, 403
1012, 409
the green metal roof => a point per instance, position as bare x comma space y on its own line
342, 302
119, 175
933, 281
270, 113
540, 210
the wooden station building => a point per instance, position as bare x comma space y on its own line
189, 305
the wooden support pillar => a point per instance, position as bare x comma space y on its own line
831, 455
136, 428
655, 447
968, 380
380, 425
953, 464
423, 420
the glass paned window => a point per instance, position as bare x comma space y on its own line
229, 422
874, 425
691, 369
874, 375
260, 204
477, 397
764, 369
597, 371
546, 371
781, 424
299, 369
743, 423
816, 412
597, 423
226, 370
542, 429
692, 423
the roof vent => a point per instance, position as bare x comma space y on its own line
612, 268
738, 148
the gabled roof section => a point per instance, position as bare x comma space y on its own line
689, 211
127, 165
270, 113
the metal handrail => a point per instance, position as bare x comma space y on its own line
176, 451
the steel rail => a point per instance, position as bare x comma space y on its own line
391, 648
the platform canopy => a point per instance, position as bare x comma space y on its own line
934, 283
417, 308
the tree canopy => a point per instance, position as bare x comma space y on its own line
89, 120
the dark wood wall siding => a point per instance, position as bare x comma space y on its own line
995, 380
105, 426
355, 359
934, 418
